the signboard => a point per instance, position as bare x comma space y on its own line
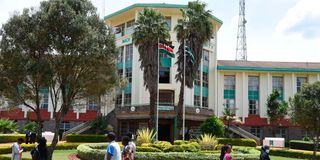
124, 41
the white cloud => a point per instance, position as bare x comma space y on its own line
302, 19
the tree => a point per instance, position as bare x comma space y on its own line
24, 73
305, 110
80, 55
213, 125
151, 28
194, 29
229, 116
276, 109
100, 124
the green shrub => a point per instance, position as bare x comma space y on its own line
179, 142
161, 145
147, 149
5, 149
213, 125
304, 145
145, 136
85, 138
293, 153
9, 158
100, 124
7, 138
30, 126
207, 142
238, 142
7, 126
85, 152
196, 144
181, 148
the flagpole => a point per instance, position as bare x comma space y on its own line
184, 83
157, 120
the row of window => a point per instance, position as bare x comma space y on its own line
258, 131
253, 91
197, 101
128, 52
128, 27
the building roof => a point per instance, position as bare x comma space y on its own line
268, 66
154, 5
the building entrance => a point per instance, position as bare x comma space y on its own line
164, 132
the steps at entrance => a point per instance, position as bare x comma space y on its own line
243, 133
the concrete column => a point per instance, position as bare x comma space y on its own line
244, 95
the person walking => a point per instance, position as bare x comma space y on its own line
127, 152
225, 152
41, 151
17, 150
131, 136
264, 155
113, 151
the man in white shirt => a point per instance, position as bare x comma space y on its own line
113, 151
16, 150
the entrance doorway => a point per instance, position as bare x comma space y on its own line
164, 132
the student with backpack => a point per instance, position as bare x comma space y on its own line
41, 151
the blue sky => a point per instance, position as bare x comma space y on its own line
277, 30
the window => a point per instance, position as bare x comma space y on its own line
129, 74
119, 31
253, 105
120, 56
205, 57
44, 100
93, 103
205, 79
164, 75
119, 100
168, 20
277, 83
256, 131
197, 101
64, 126
281, 132
205, 102
130, 26
253, 94
229, 92
166, 97
127, 99
129, 52
300, 82
197, 78
120, 73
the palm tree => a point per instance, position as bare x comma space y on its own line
150, 28
195, 29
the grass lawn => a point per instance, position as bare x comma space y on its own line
281, 158
57, 155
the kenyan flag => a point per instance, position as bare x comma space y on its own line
166, 50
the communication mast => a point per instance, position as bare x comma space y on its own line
241, 51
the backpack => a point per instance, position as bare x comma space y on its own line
35, 155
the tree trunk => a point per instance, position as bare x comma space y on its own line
39, 126
180, 109
153, 103
55, 138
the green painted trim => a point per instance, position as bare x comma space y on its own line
119, 65
165, 62
155, 5
205, 69
196, 90
128, 64
128, 88
229, 94
268, 69
175, 128
205, 92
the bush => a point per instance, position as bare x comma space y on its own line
145, 136
147, 149
85, 138
293, 153
213, 126
100, 124
161, 145
7, 138
304, 145
238, 141
179, 142
181, 148
30, 126
85, 152
7, 126
5, 149
207, 142
9, 158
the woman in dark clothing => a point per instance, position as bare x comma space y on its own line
41, 151
265, 153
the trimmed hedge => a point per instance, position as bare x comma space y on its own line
28, 147
304, 145
9, 158
86, 138
238, 141
181, 148
7, 138
293, 153
147, 149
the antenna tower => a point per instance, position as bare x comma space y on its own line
241, 52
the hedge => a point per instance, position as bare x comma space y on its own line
293, 153
304, 145
147, 149
181, 148
238, 141
9, 158
86, 138
7, 138
6, 149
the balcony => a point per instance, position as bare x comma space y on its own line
166, 111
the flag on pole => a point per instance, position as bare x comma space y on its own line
189, 54
163, 48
